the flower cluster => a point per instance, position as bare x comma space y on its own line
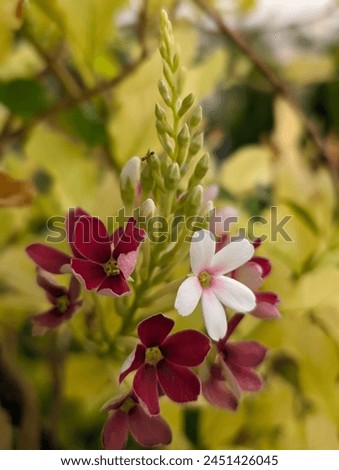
225, 277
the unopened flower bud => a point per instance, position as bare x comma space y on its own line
148, 208
129, 179
196, 145
172, 177
164, 92
147, 181
186, 104
194, 200
183, 141
202, 167
196, 118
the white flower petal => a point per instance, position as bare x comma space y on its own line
214, 315
188, 296
232, 256
202, 250
233, 294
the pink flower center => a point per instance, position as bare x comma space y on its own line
62, 303
127, 405
153, 356
205, 279
111, 268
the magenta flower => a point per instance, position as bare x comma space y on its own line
233, 370
129, 415
266, 305
166, 361
64, 301
107, 261
55, 261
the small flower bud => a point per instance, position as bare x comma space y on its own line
183, 141
148, 208
186, 104
168, 75
164, 92
206, 208
172, 177
196, 118
129, 179
196, 145
194, 200
202, 167
147, 181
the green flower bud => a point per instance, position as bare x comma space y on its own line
168, 75
206, 209
147, 181
129, 179
194, 200
172, 177
186, 104
148, 208
195, 119
164, 92
202, 167
196, 145
183, 143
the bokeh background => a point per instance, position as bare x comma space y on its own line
78, 84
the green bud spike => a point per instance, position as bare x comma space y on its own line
172, 177
186, 104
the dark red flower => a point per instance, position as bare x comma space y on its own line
166, 361
129, 415
107, 261
233, 370
52, 260
266, 305
64, 301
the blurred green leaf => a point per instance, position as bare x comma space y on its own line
24, 97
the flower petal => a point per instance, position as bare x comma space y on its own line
133, 361
217, 393
154, 330
115, 432
247, 379
52, 318
266, 305
74, 289
148, 430
202, 250
232, 256
188, 296
145, 386
47, 258
264, 263
114, 286
127, 262
214, 315
49, 284
249, 274
127, 240
71, 219
233, 294
245, 353
92, 240
88, 273
186, 348
179, 383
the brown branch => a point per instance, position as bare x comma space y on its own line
271, 76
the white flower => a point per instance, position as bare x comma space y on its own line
209, 284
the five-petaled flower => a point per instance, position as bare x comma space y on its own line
64, 301
233, 370
106, 261
165, 361
128, 414
209, 282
